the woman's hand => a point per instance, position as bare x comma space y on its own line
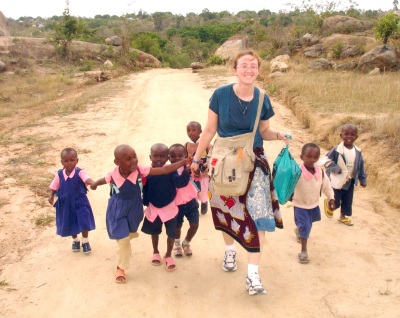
285, 136
195, 168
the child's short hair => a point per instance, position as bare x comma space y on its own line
196, 123
309, 145
67, 150
350, 126
178, 146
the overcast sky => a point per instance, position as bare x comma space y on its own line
89, 8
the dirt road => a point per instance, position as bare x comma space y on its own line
354, 271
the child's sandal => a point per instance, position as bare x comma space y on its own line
186, 249
178, 251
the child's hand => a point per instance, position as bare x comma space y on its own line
51, 200
188, 170
189, 160
93, 186
331, 204
363, 185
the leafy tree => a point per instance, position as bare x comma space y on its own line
395, 5
67, 30
387, 26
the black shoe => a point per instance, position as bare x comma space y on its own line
204, 207
76, 246
86, 248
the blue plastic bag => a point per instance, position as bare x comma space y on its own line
286, 172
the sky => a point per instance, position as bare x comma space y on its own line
89, 8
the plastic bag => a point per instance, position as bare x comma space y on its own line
286, 172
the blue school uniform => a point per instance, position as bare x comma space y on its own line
124, 210
73, 211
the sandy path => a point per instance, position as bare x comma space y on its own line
350, 268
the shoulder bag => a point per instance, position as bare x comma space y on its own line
231, 159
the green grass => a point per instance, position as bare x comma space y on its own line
44, 219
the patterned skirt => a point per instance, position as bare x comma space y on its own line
256, 210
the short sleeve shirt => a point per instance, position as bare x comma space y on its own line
239, 122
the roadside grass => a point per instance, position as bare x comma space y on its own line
44, 219
28, 97
325, 100
372, 100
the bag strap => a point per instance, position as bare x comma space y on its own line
260, 103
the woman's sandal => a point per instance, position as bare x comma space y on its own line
186, 249
303, 258
156, 259
178, 251
346, 221
169, 264
120, 276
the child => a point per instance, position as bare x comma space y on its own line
125, 209
159, 196
345, 169
306, 196
73, 211
186, 199
194, 131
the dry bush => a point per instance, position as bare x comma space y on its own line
324, 101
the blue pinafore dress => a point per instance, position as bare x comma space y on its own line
73, 211
124, 210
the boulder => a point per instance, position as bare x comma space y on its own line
197, 65
108, 64
348, 39
279, 63
4, 30
114, 40
375, 71
344, 24
348, 66
306, 40
321, 64
349, 51
314, 51
232, 47
277, 66
383, 57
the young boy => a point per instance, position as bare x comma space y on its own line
306, 196
345, 168
159, 194
194, 131
186, 199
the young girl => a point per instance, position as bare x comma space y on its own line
125, 209
73, 212
193, 130
159, 194
186, 199
306, 196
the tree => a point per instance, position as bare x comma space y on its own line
395, 5
387, 26
68, 29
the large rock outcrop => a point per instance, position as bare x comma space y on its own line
40, 48
344, 24
4, 30
232, 47
384, 57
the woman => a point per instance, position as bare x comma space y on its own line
247, 217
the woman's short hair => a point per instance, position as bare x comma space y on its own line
243, 53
